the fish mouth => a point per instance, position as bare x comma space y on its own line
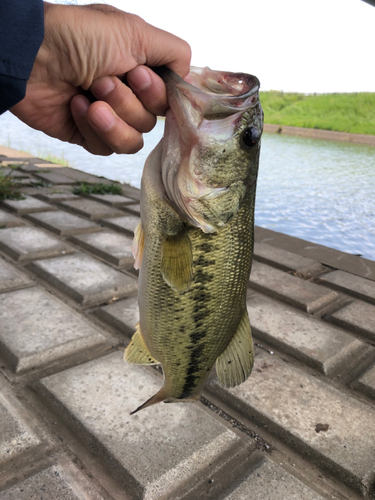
217, 94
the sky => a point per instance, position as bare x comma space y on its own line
290, 45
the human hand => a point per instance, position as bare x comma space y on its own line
93, 47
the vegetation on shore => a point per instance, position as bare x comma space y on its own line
98, 188
61, 160
9, 187
354, 112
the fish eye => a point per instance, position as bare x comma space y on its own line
250, 137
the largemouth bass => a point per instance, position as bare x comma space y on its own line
194, 243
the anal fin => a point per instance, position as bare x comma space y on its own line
177, 261
234, 365
137, 352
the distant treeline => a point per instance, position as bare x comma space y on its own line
354, 112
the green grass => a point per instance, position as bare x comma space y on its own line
98, 188
60, 160
353, 113
9, 188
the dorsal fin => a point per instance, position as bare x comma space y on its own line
234, 365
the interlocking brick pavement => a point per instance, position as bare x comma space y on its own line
63, 223
301, 427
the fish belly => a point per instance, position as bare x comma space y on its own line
187, 331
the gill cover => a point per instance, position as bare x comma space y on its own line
206, 112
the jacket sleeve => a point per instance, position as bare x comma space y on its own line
21, 34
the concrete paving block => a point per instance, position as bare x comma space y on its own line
91, 209
123, 315
113, 247
48, 166
86, 280
63, 223
357, 316
318, 344
9, 220
357, 286
11, 278
295, 291
287, 261
366, 383
61, 481
270, 481
36, 191
29, 167
115, 200
27, 205
292, 403
17, 164
133, 209
27, 243
54, 177
153, 452
15, 174
60, 195
46, 330
17, 436
331, 257
80, 176
126, 224
131, 192
28, 181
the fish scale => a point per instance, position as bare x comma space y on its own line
194, 250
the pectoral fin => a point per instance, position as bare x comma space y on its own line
177, 261
137, 352
234, 365
138, 245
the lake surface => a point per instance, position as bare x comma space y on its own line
321, 191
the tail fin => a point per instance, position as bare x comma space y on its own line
156, 398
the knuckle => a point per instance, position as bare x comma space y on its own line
129, 146
149, 125
99, 151
98, 148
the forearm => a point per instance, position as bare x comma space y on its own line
93, 47
21, 34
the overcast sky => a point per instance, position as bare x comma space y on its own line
290, 45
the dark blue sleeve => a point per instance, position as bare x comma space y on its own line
21, 34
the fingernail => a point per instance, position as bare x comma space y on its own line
140, 78
102, 87
103, 119
81, 105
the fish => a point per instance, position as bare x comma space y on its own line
194, 244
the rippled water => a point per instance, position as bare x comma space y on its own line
321, 191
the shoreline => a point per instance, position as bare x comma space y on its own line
314, 133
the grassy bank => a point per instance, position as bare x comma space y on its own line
354, 113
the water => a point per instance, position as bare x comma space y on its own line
321, 191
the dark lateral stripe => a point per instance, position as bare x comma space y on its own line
193, 368
201, 296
